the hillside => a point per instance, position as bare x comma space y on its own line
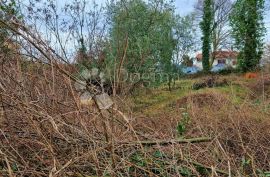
222, 130
136, 88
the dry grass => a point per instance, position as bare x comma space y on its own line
260, 88
44, 131
242, 131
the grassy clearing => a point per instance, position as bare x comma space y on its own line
159, 99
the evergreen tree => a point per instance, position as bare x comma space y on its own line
248, 32
206, 25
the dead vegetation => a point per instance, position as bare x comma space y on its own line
260, 88
211, 100
45, 131
210, 82
241, 131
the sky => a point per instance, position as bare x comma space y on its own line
184, 7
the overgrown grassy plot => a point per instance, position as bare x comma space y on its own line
198, 127
157, 99
152, 100
53, 131
227, 113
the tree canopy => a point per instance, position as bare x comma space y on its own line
141, 36
248, 31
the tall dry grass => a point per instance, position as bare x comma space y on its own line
45, 131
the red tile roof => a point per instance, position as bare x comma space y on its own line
220, 55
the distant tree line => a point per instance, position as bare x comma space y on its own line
143, 37
246, 20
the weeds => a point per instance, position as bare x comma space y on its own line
45, 131
182, 125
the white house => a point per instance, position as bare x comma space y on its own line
228, 58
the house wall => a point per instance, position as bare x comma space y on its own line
198, 64
215, 63
229, 62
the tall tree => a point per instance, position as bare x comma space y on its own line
220, 33
141, 36
248, 32
206, 30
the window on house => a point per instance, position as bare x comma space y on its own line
221, 61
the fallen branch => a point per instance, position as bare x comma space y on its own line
175, 141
